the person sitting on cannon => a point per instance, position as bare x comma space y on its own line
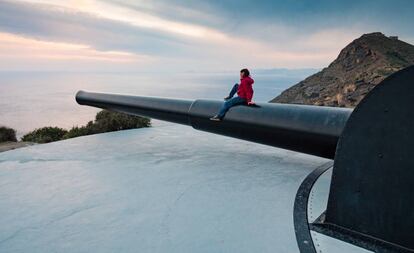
244, 96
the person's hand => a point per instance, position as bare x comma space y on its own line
250, 103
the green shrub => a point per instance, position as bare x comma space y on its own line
105, 121
7, 134
45, 135
108, 121
77, 131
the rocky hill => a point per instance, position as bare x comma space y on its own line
360, 66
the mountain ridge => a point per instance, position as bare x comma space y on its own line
360, 66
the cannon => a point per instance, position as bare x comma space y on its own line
308, 129
370, 200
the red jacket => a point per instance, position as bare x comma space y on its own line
245, 89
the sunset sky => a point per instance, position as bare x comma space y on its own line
175, 35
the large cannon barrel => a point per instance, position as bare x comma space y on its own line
308, 129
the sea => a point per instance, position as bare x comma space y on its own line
30, 100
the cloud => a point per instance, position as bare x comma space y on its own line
54, 23
303, 16
177, 34
20, 53
10, 44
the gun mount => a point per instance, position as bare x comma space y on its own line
370, 200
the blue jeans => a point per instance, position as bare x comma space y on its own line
231, 102
233, 90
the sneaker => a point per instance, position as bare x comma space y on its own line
227, 98
215, 118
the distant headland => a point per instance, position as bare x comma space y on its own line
360, 66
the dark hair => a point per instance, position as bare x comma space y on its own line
245, 72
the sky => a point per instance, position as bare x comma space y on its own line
177, 35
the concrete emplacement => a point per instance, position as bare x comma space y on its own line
370, 202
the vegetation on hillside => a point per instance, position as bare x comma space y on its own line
108, 121
105, 121
45, 135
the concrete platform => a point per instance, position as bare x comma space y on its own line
168, 188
